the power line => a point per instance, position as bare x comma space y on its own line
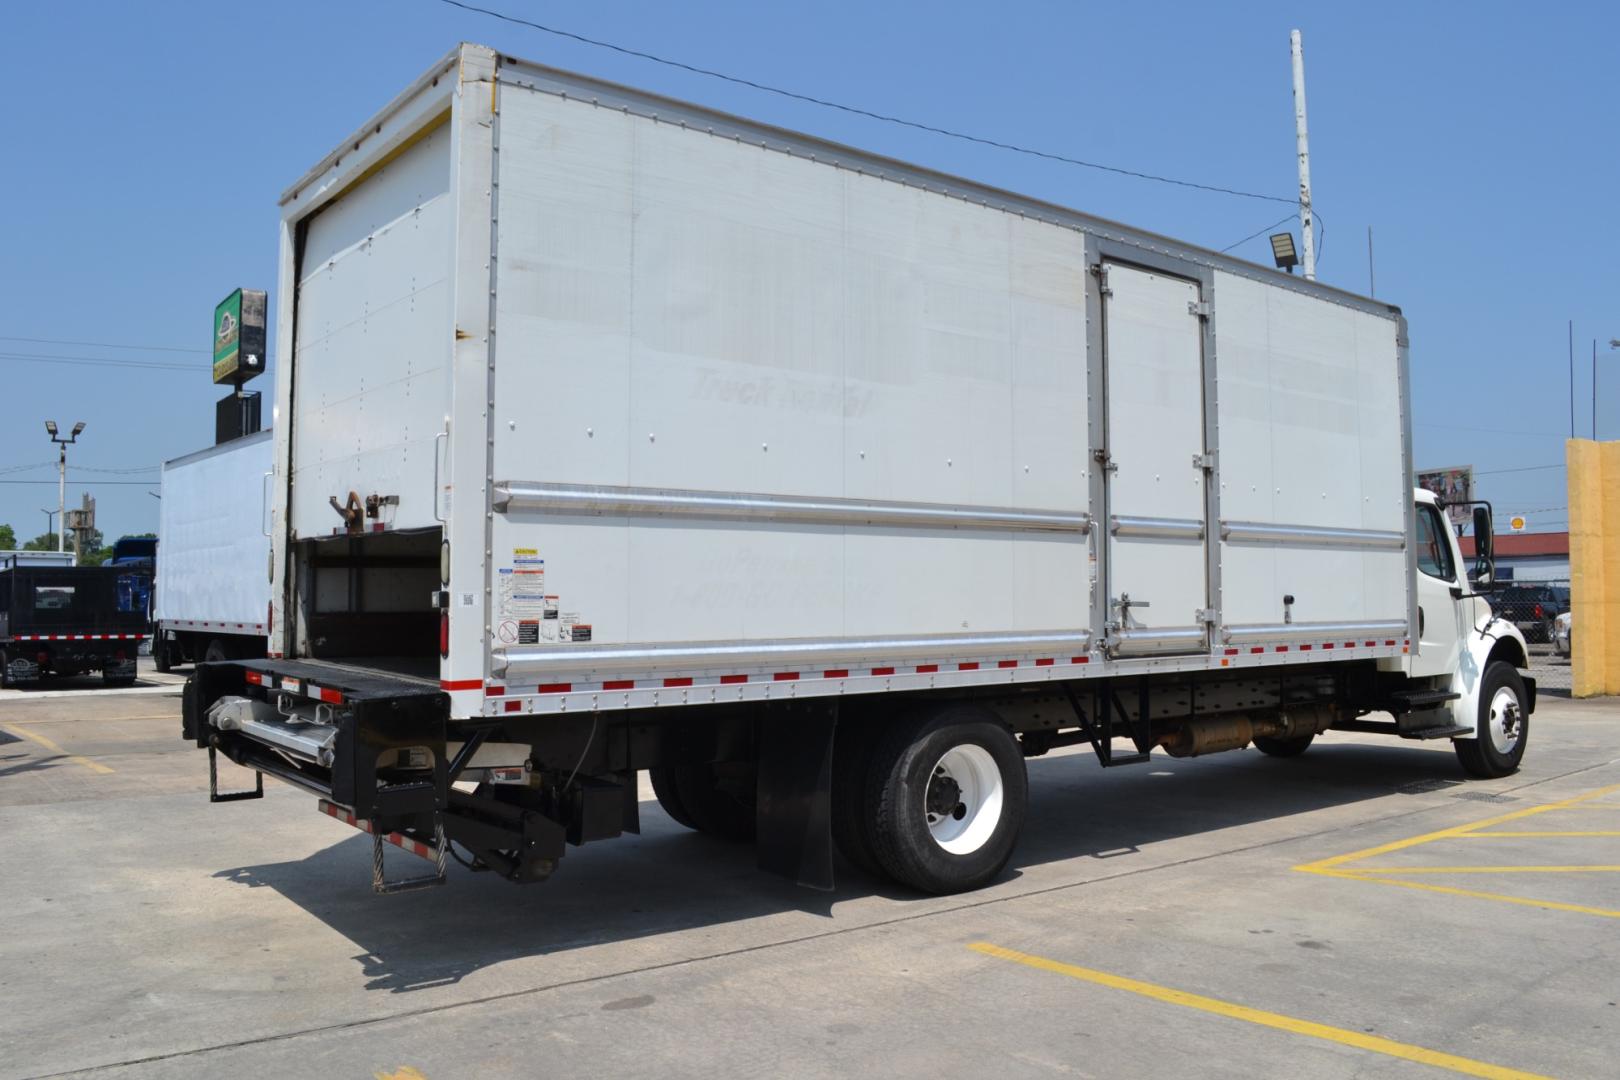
1257, 232
1526, 468
96, 361
102, 344
858, 111
99, 483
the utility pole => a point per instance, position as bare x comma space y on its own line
1572, 378
1307, 223
1372, 281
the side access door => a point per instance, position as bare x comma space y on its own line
1154, 459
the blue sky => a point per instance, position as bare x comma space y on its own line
146, 146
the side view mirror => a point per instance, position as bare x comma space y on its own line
1484, 546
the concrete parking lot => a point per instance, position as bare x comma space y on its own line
1360, 911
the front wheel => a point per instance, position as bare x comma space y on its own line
1502, 727
945, 800
160, 655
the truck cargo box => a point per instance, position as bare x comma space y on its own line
691, 399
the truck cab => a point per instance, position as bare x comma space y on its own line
1463, 646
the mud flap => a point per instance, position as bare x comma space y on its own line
794, 795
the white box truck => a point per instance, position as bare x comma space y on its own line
212, 589
614, 433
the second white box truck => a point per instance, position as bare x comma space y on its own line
613, 433
212, 589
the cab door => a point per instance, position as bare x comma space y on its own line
1439, 590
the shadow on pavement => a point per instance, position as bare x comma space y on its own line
668, 879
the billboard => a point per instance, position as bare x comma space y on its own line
1453, 485
239, 336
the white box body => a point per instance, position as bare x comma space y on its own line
710, 411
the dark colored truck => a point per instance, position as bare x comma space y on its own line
69, 620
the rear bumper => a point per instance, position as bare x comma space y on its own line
375, 720
28, 659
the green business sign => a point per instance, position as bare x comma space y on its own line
239, 336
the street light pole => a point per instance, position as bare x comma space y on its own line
1614, 343
50, 520
61, 482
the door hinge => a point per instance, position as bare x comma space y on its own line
1100, 272
1201, 308
1104, 459
1205, 616
1204, 461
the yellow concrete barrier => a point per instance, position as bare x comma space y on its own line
1594, 564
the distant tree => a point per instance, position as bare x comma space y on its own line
8, 538
42, 542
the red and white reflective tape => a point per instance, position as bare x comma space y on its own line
682, 682
81, 637
212, 624
399, 840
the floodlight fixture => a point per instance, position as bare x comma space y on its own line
1283, 251
50, 428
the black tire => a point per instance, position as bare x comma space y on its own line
160, 655
669, 796
851, 830
719, 798
1480, 756
1274, 747
5, 671
901, 780
215, 652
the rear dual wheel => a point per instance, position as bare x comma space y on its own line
715, 798
941, 800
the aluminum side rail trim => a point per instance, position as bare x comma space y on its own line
1254, 532
1325, 631
521, 495
1156, 528
515, 661
1147, 642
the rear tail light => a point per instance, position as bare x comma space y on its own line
1538, 611
43, 658
119, 656
444, 634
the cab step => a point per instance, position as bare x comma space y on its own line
1416, 700
1373, 727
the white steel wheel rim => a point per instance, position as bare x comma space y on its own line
967, 826
1505, 720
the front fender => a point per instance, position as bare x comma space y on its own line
1491, 640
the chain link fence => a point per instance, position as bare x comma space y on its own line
1540, 609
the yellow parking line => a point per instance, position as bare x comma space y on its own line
1452, 890
1455, 830
1522, 835
1308, 1028
23, 733
1359, 870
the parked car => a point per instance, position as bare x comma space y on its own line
1562, 634
1532, 608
